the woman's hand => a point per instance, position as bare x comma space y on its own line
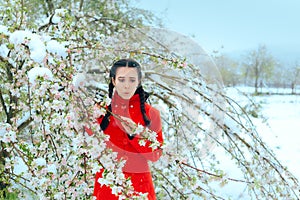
128, 125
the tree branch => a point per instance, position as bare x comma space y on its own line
81, 5
24, 124
3, 104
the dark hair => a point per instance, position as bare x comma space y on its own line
142, 94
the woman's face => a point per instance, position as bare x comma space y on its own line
126, 81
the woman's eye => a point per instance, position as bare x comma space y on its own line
132, 80
121, 80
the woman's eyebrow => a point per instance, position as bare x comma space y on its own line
122, 77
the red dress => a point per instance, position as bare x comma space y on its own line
137, 156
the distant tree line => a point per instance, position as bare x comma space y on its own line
259, 69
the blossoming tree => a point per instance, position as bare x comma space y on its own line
50, 70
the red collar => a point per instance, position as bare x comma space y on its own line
118, 100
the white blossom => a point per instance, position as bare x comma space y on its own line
151, 136
40, 162
4, 30
37, 48
107, 180
116, 189
8, 136
24, 118
4, 127
36, 72
139, 129
108, 160
119, 179
58, 105
97, 149
3, 50
43, 146
107, 100
55, 47
59, 195
142, 142
58, 14
97, 112
79, 80
52, 168
19, 166
18, 37
34, 42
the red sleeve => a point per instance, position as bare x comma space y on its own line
156, 126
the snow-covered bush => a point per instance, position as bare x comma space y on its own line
45, 151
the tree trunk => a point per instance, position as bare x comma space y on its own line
3, 155
256, 80
293, 87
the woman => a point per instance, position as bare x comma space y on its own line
128, 109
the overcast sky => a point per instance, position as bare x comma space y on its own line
234, 24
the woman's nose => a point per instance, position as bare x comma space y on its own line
126, 85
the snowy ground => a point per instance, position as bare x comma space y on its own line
281, 133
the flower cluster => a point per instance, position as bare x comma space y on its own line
6, 133
146, 135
